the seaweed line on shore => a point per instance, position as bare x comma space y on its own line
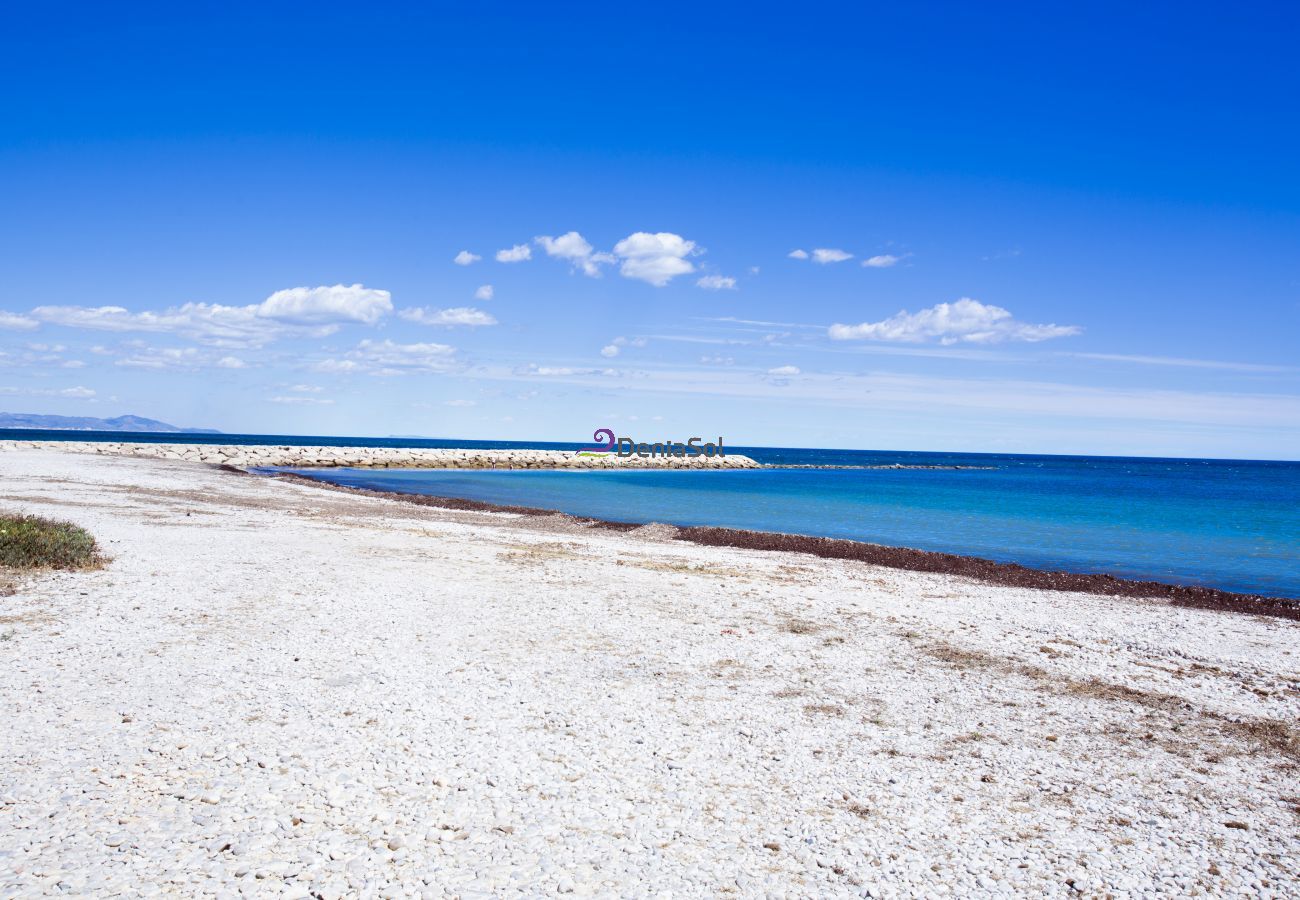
975, 567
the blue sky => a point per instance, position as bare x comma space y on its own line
1068, 234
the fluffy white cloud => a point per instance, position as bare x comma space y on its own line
457, 315
575, 249
15, 322
326, 305
484, 292
717, 283
609, 351
830, 255
798, 254
517, 253
231, 362
465, 258
784, 370
655, 258
302, 312
883, 261
967, 321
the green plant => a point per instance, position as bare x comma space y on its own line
31, 542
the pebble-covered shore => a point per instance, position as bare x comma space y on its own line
249, 455
276, 690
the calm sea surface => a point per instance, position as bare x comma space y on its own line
1227, 524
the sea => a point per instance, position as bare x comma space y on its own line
1229, 524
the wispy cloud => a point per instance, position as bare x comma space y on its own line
717, 283
882, 261
798, 254
448, 318
465, 258
1184, 363
15, 322
298, 400
825, 255
484, 292
385, 357
300, 312
965, 321
72, 393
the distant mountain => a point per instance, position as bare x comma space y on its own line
88, 423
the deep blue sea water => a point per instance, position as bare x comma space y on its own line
1220, 523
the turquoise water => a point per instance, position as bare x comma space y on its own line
1220, 523
1226, 524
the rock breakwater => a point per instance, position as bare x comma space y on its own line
253, 455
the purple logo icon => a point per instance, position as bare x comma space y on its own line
605, 443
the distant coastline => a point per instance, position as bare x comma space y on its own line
127, 423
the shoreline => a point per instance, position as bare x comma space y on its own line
905, 558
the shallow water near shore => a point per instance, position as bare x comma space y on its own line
1226, 524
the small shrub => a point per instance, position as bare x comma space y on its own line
30, 542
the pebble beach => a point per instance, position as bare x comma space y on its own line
275, 689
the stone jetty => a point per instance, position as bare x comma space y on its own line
252, 455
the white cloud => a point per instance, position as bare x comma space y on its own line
1184, 362
15, 322
162, 358
303, 312
561, 371
327, 305
73, 393
718, 360
517, 253
465, 258
484, 292
72, 364
824, 255
717, 283
798, 254
306, 388
883, 261
655, 258
457, 315
301, 401
967, 321
784, 370
338, 366
609, 351
460, 403
388, 358
574, 248
231, 362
